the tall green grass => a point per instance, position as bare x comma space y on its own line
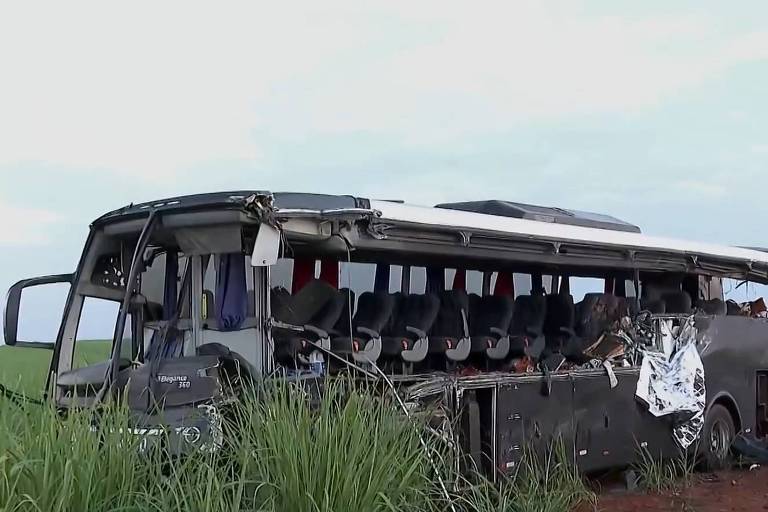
660, 475
354, 450
543, 482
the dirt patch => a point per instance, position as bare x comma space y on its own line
728, 491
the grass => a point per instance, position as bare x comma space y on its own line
543, 483
25, 369
660, 475
355, 450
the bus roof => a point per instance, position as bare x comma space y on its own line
553, 231
611, 234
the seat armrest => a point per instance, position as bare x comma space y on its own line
368, 332
568, 330
316, 330
418, 332
499, 332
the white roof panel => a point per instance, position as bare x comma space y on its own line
559, 232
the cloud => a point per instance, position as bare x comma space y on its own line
23, 226
154, 91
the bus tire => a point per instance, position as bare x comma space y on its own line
716, 438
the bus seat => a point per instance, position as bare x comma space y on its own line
655, 307
597, 313
450, 332
713, 307
677, 302
343, 325
527, 329
315, 309
374, 309
406, 337
278, 297
560, 321
489, 320
303, 305
234, 363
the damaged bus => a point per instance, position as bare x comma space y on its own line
477, 307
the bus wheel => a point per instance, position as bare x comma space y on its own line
716, 437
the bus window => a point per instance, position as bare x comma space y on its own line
395, 278
450, 275
523, 284
281, 274
475, 282
743, 291
580, 286
418, 280
93, 342
358, 277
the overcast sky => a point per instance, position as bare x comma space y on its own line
654, 112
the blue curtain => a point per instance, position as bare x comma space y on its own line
231, 292
173, 345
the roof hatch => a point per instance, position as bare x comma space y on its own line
543, 214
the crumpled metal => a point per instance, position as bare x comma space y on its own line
672, 382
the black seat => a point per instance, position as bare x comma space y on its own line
677, 302
364, 344
450, 332
596, 314
309, 316
279, 297
713, 307
560, 324
527, 329
489, 320
234, 365
344, 324
406, 336
655, 306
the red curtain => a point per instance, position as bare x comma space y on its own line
303, 272
505, 284
329, 272
460, 279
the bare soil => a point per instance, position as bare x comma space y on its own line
727, 491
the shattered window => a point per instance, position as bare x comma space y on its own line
743, 291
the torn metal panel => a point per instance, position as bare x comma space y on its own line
672, 382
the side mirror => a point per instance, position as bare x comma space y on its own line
42, 300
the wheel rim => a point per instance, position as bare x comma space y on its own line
720, 440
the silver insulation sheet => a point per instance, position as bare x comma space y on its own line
671, 381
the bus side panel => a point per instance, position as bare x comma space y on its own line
529, 419
611, 425
737, 349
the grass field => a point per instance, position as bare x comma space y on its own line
25, 369
355, 451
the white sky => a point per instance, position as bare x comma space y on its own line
651, 111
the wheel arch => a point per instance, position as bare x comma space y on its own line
726, 400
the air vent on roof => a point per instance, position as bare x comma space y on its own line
543, 214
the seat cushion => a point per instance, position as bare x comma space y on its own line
288, 347
481, 343
346, 345
439, 344
394, 345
